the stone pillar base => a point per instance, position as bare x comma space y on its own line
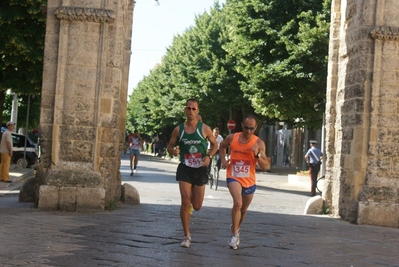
71, 198
379, 214
72, 190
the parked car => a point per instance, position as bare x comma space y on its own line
31, 156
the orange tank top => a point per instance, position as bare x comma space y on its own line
242, 165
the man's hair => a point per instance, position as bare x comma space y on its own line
216, 128
192, 100
135, 131
250, 116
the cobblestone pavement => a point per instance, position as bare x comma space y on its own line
275, 232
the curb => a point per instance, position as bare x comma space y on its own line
18, 177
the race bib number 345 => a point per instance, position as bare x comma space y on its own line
193, 160
241, 168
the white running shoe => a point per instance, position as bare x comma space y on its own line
134, 171
234, 242
186, 242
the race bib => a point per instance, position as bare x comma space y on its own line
193, 160
241, 168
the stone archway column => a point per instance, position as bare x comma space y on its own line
362, 112
83, 110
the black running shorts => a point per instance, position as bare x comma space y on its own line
194, 176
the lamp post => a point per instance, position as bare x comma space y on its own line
26, 132
14, 109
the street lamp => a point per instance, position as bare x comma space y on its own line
26, 133
14, 109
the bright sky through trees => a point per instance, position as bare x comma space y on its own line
154, 28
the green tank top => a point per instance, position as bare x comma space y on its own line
192, 146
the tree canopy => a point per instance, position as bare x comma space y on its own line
195, 65
22, 25
282, 49
257, 56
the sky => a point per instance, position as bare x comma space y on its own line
154, 28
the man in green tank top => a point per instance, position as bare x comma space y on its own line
189, 142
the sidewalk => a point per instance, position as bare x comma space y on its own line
18, 176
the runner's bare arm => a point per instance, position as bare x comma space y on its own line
207, 133
262, 160
222, 150
172, 142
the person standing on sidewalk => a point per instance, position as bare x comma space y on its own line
189, 142
246, 150
135, 143
6, 148
313, 158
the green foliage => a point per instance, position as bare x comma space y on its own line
325, 209
257, 56
22, 25
112, 204
282, 49
195, 65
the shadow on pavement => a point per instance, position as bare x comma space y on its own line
149, 235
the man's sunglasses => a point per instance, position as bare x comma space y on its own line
191, 108
248, 128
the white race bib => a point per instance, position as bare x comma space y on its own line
241, 168
193, 160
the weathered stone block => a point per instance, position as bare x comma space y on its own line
48, 197
27, 191
67, 198
73, 177
130, 195
76, 151
314, 205
379, 214
105, 105
90, 199
380, 194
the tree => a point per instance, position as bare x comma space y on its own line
282, 49
263, 57
22, 25
195, 65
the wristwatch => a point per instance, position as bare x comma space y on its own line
258, 155
209, 155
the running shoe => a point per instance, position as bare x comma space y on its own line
134, 171
131, 174
190, 209
234, 242
186, 242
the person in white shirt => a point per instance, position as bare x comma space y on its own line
135, 144
219, 139
313, 158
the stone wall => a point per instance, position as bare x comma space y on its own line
84, 95
362, 123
